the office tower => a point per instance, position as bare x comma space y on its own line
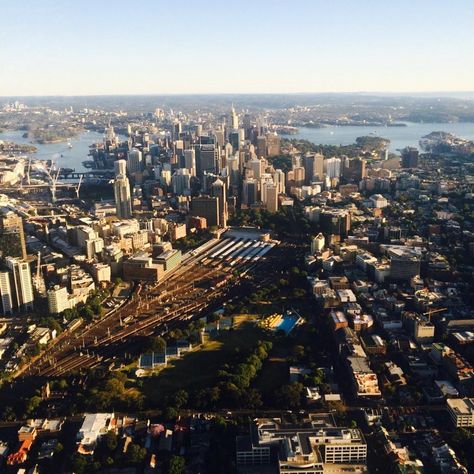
354, 169
120, 167
198, 130
207, 207
317, 244
58, 299
249, 191
177, 130
219, 137
207, 159
256, 165
335, 222
410, 157
218, 190
190, 161
234, 139
22, 282
234, 119
333, 167
6, 294
308, 165
181, 181
273, 144
299, 176
262, 146
12, 236
279, 180
271, 197
318, 166
123, 200
135, 161
232, 165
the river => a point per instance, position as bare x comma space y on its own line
399, 137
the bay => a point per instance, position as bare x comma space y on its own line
399, 137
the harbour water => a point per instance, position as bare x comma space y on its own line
60, 152
399, 137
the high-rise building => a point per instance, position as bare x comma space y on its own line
249, 191
234, 119
273, 144
6, 294
298, 176
271, 197
22, 282
317, 244
58, 299
12, 236
181, 181
207, 159
123, 200
120, 167
354, 169
256, 165
262, 146
190, 161
218, 190
410, 157
207, 207
279, 180
135, 161
333, 167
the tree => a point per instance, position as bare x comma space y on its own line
135, 454
176, 465
79, 464
156, 344
110, 441
289, 396
181, 398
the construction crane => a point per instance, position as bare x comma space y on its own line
431, 311
79, 185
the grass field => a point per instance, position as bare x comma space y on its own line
199, 368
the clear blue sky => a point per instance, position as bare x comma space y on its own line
66, 47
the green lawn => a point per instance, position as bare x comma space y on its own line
198, 368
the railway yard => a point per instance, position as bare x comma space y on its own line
206, 278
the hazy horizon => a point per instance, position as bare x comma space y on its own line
108, 48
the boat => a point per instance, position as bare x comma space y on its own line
69, 145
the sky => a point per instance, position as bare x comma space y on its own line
89, 47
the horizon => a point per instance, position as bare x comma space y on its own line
90, 49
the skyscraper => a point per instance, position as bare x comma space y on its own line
271, 197
208, 207
249, 191
135, 161
333, 167
12, 236
22, 282
181, 181
218, 190
190, 161
234, 119
6, 295
410, 157
123, 200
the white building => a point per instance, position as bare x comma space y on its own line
6, 294
461, 411
22, 281
58, 299
135, 161
317, 244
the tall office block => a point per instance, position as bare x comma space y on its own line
190, 161
249, 191
218, 190
181, 181
22, 282
208, 207
135, 161
6, 294
12, 236
123, 200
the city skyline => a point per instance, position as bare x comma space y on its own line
89, 49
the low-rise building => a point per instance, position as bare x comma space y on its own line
461, 411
